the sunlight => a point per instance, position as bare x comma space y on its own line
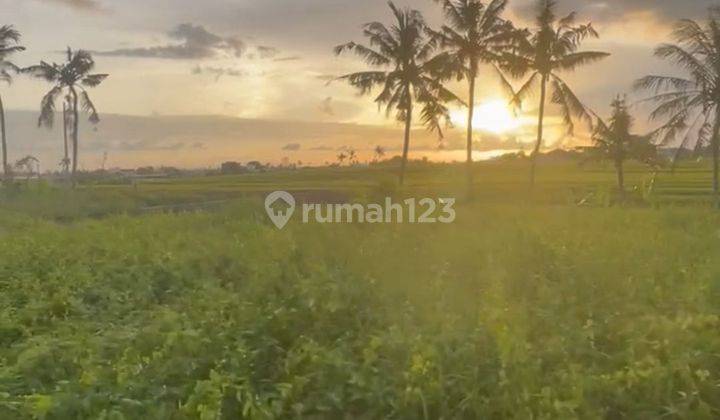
494, 116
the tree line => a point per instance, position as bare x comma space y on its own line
412, 63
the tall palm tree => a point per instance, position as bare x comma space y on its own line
71, 78
690, 105
9, 39
614, 141
475, 34
552, 48
409, 73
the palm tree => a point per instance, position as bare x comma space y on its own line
552, 48
690, 105
9, 38
341, 158
614, 141
408, 74
71, 78
475, 34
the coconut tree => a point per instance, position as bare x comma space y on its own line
71, 78
475, 34
408, 74
548, 51
614, 141
9, 39
690, 105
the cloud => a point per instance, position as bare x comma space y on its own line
322, 148
290, 58
267, 52
196, 42
616, 10
292, 147
79, 4
218, 72
148, 145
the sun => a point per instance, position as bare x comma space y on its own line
492, 116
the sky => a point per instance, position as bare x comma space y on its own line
270, 61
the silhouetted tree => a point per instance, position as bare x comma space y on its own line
552, 48
29, 164
690, 105
71, 78
379, 153
614, 141
9, 39
410, 73
475, 34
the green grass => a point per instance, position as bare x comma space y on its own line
520, 309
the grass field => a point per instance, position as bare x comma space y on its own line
559, 304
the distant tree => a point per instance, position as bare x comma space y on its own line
690, 105
550, 49
379, 153
341, 158
28, 164
255, 166
352, 157
475, 34
409, 73
71, 78
231, 168
614, 141
9, 39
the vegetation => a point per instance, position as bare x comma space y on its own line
416, 75
174, 297
568, 313
551, 49
690, 105
614, 141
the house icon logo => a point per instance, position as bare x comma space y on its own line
280, 206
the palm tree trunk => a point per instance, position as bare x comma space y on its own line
406, 143
620, 177
6, 167
715, 144
66, 161
538, 143
75, 124
471, 113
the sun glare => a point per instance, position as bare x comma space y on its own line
493, 116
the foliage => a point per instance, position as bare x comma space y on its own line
551, 49
689, 105
219, 316
614, 140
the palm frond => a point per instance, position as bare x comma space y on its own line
89, 108
47, 107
